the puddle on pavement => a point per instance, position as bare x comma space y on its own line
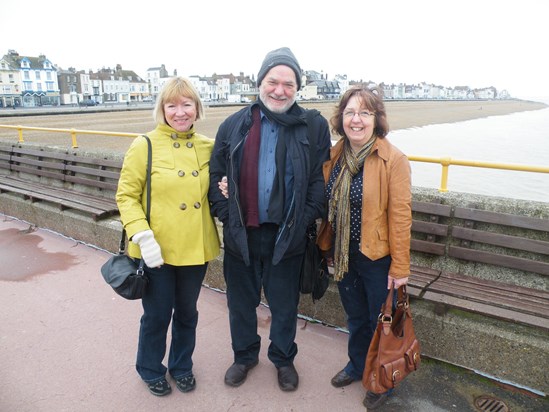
21, 257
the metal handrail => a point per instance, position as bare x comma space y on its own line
445, 162
73, 132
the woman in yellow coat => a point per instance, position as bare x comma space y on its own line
180, 238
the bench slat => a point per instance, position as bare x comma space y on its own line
431, 228
476, 291
426, 246
497, 259
498, 239
92, 183
506, 219
431, 208
488, 309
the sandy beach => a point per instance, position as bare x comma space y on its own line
401, 115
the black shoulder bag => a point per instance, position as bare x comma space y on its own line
121, 272
314, 278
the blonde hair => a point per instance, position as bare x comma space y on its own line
172, 90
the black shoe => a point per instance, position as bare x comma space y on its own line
237, 373
186, 384
288, 378
341, 379
374, 400
160, 388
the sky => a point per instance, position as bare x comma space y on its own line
475, 43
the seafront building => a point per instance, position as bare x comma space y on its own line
27, 81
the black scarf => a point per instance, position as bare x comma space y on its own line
287, 122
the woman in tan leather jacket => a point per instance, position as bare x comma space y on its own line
366, 235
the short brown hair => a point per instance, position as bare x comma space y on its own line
372, 99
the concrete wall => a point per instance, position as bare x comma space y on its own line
507, 351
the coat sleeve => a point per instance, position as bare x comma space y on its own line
131, 187
315, 203
400, 217
218, 168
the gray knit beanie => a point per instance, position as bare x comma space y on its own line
277, 57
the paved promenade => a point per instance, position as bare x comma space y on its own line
68, 343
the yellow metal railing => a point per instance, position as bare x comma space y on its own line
445, 162
73, 132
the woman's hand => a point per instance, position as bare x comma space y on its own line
224, 187
398, 282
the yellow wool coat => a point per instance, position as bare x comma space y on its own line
386, 206
180, 212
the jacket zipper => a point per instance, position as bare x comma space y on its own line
237, 195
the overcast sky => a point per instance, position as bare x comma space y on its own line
476, 43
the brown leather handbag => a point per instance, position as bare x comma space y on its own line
394, 350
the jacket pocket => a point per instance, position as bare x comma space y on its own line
383, 232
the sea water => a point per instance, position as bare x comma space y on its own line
518, 138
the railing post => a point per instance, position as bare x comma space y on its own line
20, 132
445, 162
73, 136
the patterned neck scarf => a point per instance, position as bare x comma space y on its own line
339, 207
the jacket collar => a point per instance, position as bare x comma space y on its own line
381, 146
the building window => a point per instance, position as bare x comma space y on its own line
37, 74
26, 75
27, 85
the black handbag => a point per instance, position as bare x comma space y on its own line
128, 278
314, 278
124, 275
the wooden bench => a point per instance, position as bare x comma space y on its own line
428, 242
68, 180
488, 239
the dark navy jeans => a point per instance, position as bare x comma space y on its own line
171, 296
281, 287
362, 291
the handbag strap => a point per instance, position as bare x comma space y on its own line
403, 302
122, 245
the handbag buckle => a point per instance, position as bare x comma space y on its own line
396, 375
385, 318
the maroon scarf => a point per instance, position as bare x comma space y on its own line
249, 170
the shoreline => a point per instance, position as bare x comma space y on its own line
401, 115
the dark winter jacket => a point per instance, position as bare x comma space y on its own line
306, 203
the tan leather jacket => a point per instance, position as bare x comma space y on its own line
386, 206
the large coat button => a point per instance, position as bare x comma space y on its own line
195, 173
197, 205
183, 206
181, 173
176, 145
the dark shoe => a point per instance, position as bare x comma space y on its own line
341, 379
160, 388
288, 378
237, 373
186, 384
374, 400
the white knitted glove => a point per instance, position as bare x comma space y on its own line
150, 249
